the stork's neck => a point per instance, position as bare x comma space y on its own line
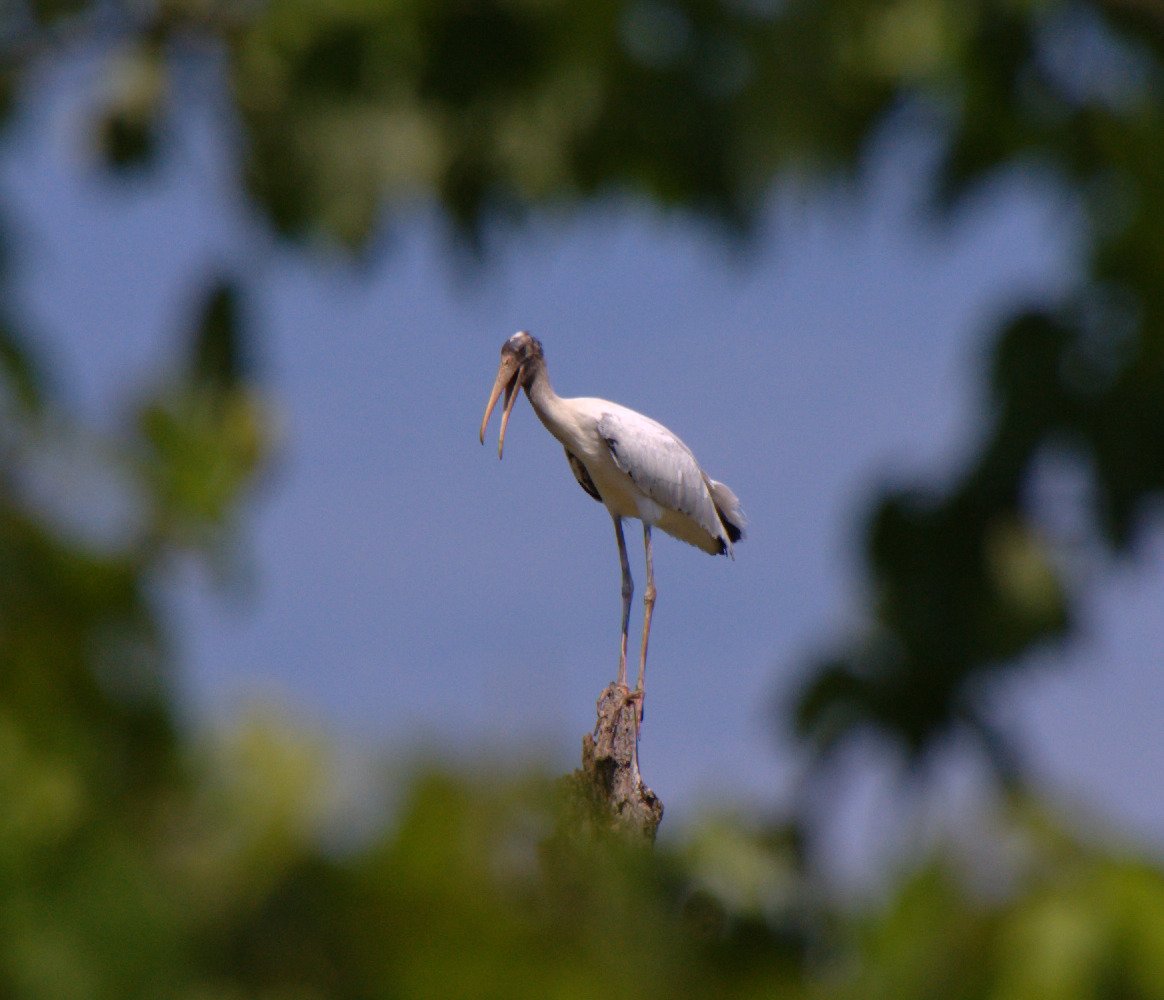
552, 410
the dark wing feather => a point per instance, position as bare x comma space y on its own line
582, 475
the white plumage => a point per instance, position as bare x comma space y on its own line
631, 463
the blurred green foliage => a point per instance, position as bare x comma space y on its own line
138, 861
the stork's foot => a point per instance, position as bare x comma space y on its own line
635, 698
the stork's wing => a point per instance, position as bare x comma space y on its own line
662, 467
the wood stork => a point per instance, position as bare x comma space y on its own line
632, 464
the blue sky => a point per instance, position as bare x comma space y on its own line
407, 592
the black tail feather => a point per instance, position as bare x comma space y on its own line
734, 532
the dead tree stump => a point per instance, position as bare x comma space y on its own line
609, 781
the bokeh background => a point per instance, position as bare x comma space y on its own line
291, 663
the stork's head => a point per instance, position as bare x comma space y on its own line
521, 355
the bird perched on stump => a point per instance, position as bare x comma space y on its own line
629, 462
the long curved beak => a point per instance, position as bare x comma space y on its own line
509, 380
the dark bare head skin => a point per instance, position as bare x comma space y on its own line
524, 350
521, 361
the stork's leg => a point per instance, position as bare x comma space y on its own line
648, 610
628, 589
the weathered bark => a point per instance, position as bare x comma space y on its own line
609, 781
